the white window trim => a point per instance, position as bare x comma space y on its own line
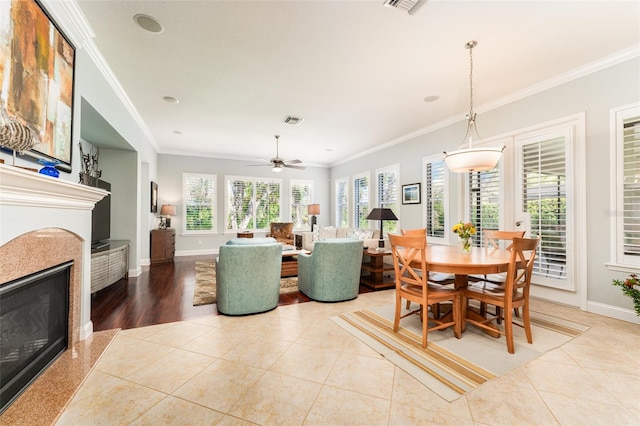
619, 262
253, 179
447, 206
214, 224
346, 182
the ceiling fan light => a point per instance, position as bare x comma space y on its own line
277, 168
472, 159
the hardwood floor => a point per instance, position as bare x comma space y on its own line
161, 294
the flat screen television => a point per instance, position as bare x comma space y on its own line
101, 219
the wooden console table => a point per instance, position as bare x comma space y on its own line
373, 269
109, 264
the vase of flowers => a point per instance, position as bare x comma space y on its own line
631, 287
464, 231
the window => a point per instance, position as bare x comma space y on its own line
387, 194
301, 196
200, 202
484, 201
361, 200
251, 203
436, 187
342, 202
543, 186
626, 167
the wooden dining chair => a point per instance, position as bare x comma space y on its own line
420, 232
492, 240
409, 262
513, 294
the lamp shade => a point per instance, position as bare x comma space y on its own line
381, 214
168, 210
472, 159
313, 209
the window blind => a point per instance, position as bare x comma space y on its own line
484, 202
360, 201
252, 203
301, 196
631, 187
200, 199
434, 198
544, 198
387, 195
342, 203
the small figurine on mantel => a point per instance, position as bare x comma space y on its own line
90, 174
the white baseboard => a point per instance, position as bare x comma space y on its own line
196, 252
613, 312
145, 262
86, 331
135, 272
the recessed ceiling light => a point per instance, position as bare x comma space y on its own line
294, 121
432, 98
171, 99
148, 23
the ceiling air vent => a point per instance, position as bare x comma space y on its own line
411, 6
294, 121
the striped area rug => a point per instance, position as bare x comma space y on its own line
448, 366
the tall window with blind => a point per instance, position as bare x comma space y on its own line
360, 200
387, 194
301, 196
199, 203
543, 189
342, 202
484, 201
435, 189
251, 203
627, 186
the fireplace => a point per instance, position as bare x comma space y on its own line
33, 327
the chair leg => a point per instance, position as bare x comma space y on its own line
463, 312
498, 314
527, 322
457, 316
396, 320
508, 329
408, 304
425, 324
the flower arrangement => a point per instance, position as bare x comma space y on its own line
631, 288
464, 231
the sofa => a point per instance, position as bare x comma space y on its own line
248, 276
331, 273
369, 237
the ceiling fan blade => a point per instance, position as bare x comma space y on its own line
294, 167
258, 165
296, 161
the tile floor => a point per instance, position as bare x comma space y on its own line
294, 366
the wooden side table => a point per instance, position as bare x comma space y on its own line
163, 245
373, 269
245, 234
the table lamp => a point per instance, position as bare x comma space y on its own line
313, 210
381, 214
166, 212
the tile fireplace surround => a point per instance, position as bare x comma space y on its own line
45, 222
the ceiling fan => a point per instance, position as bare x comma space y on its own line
278, 163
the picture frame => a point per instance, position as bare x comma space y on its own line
41, 81
154, 197
411, 193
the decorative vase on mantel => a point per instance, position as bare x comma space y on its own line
465, 245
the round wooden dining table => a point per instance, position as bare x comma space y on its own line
481, 260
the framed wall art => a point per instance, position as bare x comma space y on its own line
37, 79
411, 193
154, 197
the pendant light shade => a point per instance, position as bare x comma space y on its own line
470, 159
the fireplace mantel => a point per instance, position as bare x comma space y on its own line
21, 187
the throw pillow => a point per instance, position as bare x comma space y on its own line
325, 232
362, 234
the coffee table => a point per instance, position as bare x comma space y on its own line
290, 262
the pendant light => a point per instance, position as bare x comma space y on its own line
472, 159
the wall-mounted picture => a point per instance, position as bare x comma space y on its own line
154, 197
411, 193
36, 95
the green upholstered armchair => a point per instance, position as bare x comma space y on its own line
332, 272
248, 276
